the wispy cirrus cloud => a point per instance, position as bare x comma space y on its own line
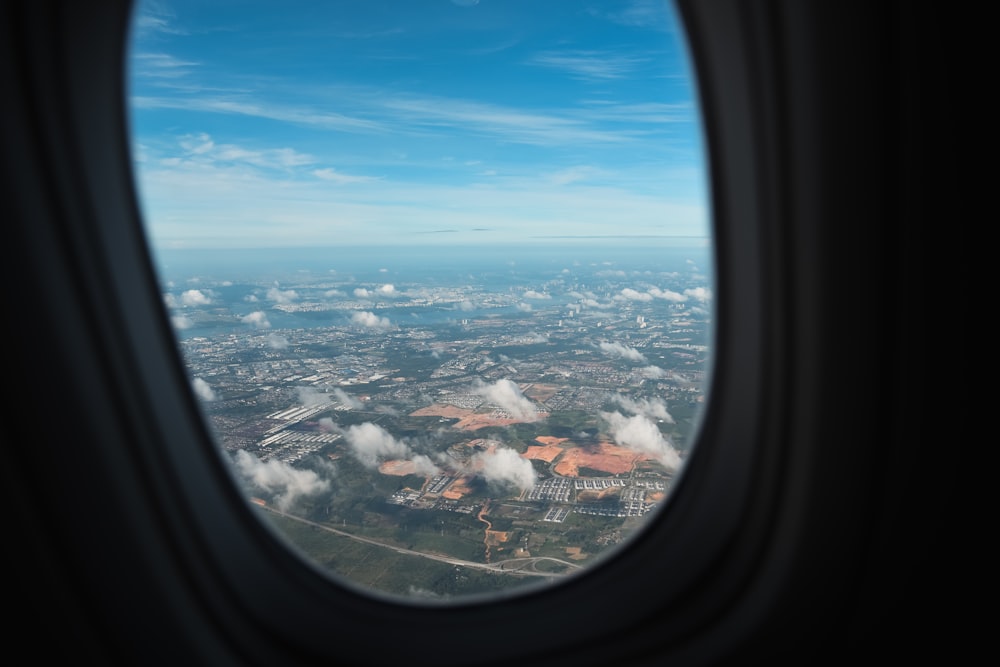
649, 14
299, 115
340, 178
511, 124
589, 65
161, 65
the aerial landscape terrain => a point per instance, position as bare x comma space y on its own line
432, 429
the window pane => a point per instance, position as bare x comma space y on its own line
441, 272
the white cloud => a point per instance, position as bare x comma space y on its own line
593, 303
277, 342
371, 320
276, 477
589, 65
505, 467
638, 432
630, 294
619, 350
506, 395
203, 390
346, 399
668, 295
311, 397
338, 178
653, 408
194, 297
281, 296
197, 144
700, 293
371, 444
258, 319
182, 322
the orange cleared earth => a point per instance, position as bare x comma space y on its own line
605, 457
398, 468
496, 537
441, 410
550, 440
468, 420
457, 489
547, 453
478, 421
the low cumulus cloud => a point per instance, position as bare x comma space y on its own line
203, 390
641, 434
181, 322
371, 444
629, 294
346, 399
371, 320
668, 295
654, 408
619, 350
388, 290
506, 395
277, 342
195, 297
503, 466
361, 293
654, 372
524, 307
285, 483
311, 397
702, 294
257, 319
532, 294
282, 296
594, 303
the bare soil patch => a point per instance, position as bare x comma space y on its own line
605, 457
398, 468
442, 410
547, 453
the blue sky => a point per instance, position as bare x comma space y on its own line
266, 124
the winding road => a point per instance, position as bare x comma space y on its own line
523, 566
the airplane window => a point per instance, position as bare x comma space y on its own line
441, 273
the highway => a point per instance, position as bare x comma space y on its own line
520, 566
